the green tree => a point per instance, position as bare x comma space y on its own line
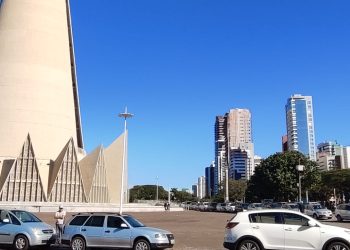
147, 192
337, 180
236, 191
180, 196
277, 178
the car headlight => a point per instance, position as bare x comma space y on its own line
160, 236
37, 231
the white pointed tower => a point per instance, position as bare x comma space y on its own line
39, 94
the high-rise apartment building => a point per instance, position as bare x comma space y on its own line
240, 144
300, 125
201, 187
239, 128
242, 164
284, 143
233, 132
346, 154
209, 177
332, 156
220, 151
195, 190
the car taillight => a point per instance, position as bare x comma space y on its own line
231, 225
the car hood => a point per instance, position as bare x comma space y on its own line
151, 230
323, 210
38, 225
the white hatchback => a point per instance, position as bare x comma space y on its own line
283, 230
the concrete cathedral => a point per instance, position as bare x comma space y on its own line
42, 156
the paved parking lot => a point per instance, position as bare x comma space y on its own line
193, 230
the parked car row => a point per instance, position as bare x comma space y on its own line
313, 209
229, 207
22, 230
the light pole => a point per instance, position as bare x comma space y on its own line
300, 169
124, 115
157, 189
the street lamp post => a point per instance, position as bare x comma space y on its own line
124, 115
157, 189
300, 169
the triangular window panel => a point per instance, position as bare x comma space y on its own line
68, 185
99, 189
23, 182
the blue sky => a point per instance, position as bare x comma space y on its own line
178, 64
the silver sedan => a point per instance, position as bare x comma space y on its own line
22, 229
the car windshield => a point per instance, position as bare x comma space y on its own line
25, 216
293, 206
132, 221
318, 207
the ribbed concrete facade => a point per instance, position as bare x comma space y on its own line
41, 143
37, 78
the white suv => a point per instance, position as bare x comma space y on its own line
282, 229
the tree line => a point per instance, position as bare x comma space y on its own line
275, 178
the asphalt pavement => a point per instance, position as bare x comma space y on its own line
192, 229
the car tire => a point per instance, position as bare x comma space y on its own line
338, 245
142, 244
21, 243
78, 243
249, 245
315, 216
339, 218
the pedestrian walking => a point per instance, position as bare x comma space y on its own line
168, 206
59, 216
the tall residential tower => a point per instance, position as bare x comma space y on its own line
234, 149
300, 125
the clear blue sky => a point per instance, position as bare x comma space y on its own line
178, 64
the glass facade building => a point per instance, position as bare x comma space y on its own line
300, 125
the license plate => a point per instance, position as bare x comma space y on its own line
172, 241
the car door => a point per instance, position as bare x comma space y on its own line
116, 235
268, 227
93, 230
299, 235
346, 212
9, 225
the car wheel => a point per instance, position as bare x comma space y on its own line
339, 218
249, 245
315, 216
338, 246
21, 243
78, 243
142, 245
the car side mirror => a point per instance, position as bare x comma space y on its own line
311, 223
123, 225
6, 220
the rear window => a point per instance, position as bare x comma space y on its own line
95, 221
269, 218
78, 220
